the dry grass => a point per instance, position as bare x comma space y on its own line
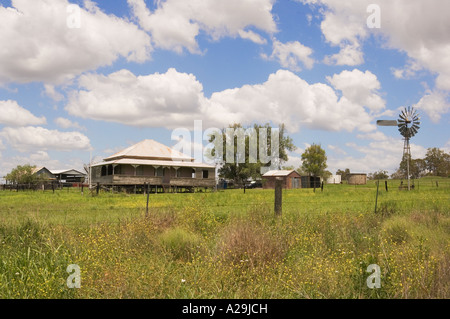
195, 247
246, 242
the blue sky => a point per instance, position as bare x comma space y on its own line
92, 79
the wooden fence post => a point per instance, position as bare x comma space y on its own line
148, 195
278, 196
376, 198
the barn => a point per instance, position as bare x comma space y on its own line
357, 179
65, 177
69, 176
154, 164
44, 173
291, 179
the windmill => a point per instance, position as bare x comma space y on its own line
408, 125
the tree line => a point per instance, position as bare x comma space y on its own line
435, 163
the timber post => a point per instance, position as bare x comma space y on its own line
278, 196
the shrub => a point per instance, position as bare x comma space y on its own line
180, 243
397, 232
248, 242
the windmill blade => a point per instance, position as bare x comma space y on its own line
387, 123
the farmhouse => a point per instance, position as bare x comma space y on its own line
154, 164
291, 179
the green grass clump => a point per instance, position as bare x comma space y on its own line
180, 243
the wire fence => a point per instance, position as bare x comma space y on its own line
73, 213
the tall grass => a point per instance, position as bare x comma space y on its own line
226, 244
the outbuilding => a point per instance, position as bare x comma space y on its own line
357, 179
334, 179
311, 181
291, 179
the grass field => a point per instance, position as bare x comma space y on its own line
228, 244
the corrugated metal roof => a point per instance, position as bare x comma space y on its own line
132, 161
149, 149
278, 173
66, 172
36, 169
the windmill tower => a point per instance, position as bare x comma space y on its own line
408, 125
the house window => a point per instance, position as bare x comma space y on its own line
117, 170
103, 173
139, 170
205, 173
178, 173
193, 173
110, 169
159, 172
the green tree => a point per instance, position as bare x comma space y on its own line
379, 175
242, 169
314, 161
417, 168
22, 174
344, 173
437, 162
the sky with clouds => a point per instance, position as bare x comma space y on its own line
82, 79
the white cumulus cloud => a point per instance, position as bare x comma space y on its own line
174, 99
175, 24
291, 54
29, 138
12, 114
39, 43
66, 123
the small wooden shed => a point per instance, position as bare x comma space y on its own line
291, 179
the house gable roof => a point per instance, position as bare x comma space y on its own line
150, 150
41, 170
67, 172
280, 173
